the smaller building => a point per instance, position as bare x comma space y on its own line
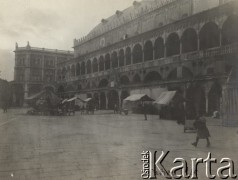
5, 93
35, 69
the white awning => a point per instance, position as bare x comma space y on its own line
72, 99
88, 99
138, 97
165, 98
35, 95
65, 100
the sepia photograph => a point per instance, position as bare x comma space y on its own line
118, 89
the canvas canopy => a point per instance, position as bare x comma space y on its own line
65, 100
165, 98
138, 97
35, 96
45, 95
87, 100
72, 99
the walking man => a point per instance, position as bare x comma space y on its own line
202, 131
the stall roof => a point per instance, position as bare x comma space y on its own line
72, 99
165, 97
88, 99
138, 97
35, 95
65, 100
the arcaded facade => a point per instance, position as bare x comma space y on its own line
153, 45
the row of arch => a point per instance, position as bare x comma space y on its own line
124, 80
209, 36
195, 95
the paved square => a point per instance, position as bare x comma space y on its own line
100, 146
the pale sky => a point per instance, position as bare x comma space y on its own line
48, 23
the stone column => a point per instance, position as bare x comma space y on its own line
220, 37
124, 50
206, 97
119, 96
26, 91
180, 47
99, 101
198, 48
106, 94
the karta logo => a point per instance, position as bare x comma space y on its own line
153, 166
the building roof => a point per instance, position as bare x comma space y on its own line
45, 50
122, 17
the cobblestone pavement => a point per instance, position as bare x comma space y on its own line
101, 146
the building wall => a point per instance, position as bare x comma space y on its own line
34, 69
198, 73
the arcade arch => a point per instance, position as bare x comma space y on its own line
102, 100
107, 62
136, 79
189, 40
103, 83
78, 69
152, 76
83, 68
113, 99
173, 44
124, 80
114, 60
128, 56
137, 54
209, 36
89, 66
121, 57
148, 51
229, 30
95, 65
101, 63
159, 48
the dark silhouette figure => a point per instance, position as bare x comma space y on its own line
202, 131
144, 106
180, 114
115, 109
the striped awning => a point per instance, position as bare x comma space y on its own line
165, 98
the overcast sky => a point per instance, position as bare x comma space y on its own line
48, 23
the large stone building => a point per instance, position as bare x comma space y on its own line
35, 69
176, 44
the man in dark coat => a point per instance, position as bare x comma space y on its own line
180, 114
202, 130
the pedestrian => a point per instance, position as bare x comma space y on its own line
202, 130
144, 106
115, 108
82, 109
180, 113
